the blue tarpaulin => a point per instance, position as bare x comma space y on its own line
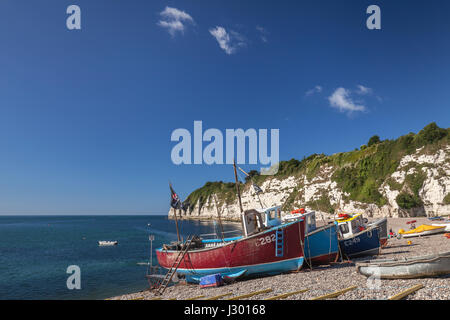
213, 280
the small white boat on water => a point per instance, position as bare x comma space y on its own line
107, 243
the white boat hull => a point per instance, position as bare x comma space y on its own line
447, 226
423, 233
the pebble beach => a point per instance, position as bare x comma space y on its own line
328, 279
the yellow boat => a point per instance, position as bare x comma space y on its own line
423, 230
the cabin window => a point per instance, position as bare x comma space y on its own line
355, 226
251, 223
344, 228
272, 214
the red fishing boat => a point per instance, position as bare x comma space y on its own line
260, 251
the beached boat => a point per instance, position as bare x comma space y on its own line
407, 268
261, 250
382, 224
443, 224
107, 243
355, 238
321, 243
422, 230
435, 218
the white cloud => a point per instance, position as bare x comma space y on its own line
316, 89
341, 99
174, 20
363, 90
228, 41
262, 33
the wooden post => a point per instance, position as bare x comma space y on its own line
334, 294
248, 295
285, 295
406, 293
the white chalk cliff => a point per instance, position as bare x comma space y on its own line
299, 191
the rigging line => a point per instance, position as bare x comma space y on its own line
329, 249
339, 247
309, 248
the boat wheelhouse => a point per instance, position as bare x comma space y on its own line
356, 238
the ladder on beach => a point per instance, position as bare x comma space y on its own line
279, 244
162, 285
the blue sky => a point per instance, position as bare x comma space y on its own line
86, 115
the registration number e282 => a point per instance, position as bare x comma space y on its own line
265, 240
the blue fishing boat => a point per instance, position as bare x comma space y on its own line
356, 239
321, 243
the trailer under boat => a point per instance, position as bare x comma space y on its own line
262, 250
433, 265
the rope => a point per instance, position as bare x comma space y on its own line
309, 251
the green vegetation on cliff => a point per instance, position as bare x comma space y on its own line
447, 198
359, 173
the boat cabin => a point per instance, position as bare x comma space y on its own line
308, 216
255, 221
349, 225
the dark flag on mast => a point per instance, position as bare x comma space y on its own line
257, 189
175, 202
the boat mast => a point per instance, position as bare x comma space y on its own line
244, 230
237, 186
176, 223
175, 215
218, 215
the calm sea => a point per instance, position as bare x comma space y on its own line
36, 251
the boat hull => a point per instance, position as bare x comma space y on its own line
322, 245
364, 243
446, 225
408, 268
254, 255
423, 230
